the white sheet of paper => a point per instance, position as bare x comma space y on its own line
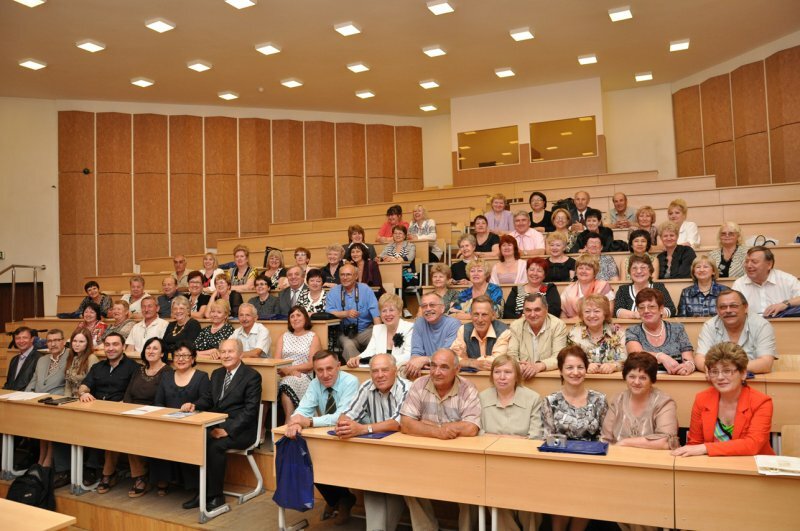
142, 410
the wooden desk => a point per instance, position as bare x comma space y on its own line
101, 423
21, 517
729, 493
784, 388
627, 485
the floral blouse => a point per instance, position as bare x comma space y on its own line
208, 339
577, 423
312, 307
610, 349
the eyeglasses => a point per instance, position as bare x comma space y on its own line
181, 356
298, 255
646, 307
431, 305
727, 373
728, 234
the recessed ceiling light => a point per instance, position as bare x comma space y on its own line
504, 72
434, 51
462, 158
357, 67
228, 95
268, 48
292, 82
566, 133
513, 141
471, 133
90, 46
506, 153
241, 4
464, 147
551, 148
31, 3
677, 46
364, 94
428, 84
440, 7
587, 153
586, 118
588, 59
620, 13
347, 29
159, 24
644, 76
428, 107
142, 82
33, 64
198, 65
521, 34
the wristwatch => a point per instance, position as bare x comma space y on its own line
369, 429
787, 303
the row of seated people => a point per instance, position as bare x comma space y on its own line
729, 418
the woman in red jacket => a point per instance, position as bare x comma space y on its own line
730, 418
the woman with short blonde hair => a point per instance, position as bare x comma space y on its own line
500, 220
729, 257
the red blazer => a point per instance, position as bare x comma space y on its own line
751, 427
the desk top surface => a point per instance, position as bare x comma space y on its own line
23, 517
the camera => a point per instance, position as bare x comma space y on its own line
350, 330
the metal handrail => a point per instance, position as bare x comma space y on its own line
13, 268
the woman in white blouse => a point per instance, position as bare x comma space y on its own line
393, 336
687, 235
423, 228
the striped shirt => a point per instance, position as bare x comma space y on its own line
460, 404
370, 406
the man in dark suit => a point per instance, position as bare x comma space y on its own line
23, 365
235, 390
290, 295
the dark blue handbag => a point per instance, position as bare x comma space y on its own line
294, 475
577, 447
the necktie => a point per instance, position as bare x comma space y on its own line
330, 405
294, 297
20, 363
225, 384
581, 219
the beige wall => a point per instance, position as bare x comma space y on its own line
639, 130
28, 191
436, 151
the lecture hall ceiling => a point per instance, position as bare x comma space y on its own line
393, 34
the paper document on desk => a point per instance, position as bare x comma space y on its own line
22, 395
180, 414
778, 465
142, 410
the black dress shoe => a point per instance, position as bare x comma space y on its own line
194, 503
215, 503
61, 479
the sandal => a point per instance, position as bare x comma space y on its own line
163, 488
140, 487
106, 482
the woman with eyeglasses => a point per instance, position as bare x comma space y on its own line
302, 258
640, 272
729, 257
664, 340
540, 218
730, 418
182, 386
198, 301
479, 276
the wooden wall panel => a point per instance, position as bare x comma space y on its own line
255, 183
150, 143
222, 210
748, 95
76, 261
408, 147
319, 199
380, 163
187, 243
186, 144
783, 87
75, 203
113, 203
150, 212
186, 203
320, 148
254, 146
114, 142
752, 159
719, 162
287, 147
115, 254
716, 108
690, 163
75, 141
785, 151
351, 164
220, 145
289, 201
148, 245
686, 114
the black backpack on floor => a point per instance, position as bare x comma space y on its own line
34, 487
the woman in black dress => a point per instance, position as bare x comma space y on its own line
182, 386
183, 328
540, 218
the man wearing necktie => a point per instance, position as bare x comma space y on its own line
23, 365
328, 396
581, 204
290, 295
235, 390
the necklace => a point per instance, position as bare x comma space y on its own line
651, 334
178, 329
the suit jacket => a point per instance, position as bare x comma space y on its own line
751, 426
25, 374
241, 402
285, 299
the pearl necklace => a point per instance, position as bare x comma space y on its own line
651, 334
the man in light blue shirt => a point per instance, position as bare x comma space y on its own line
432, 331
328, 396
355, 304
